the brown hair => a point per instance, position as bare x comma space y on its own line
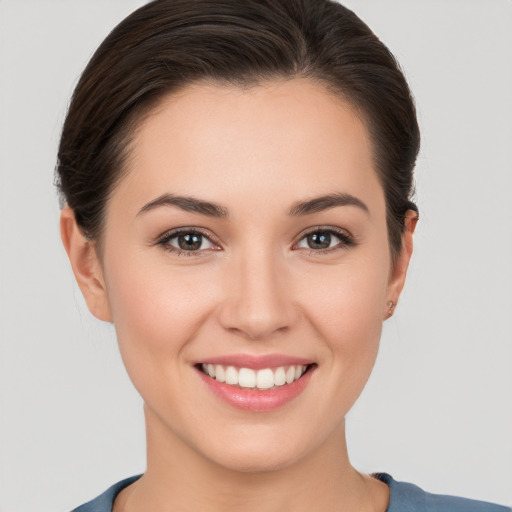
168, 44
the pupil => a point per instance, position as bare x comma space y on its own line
319, 240
189, 242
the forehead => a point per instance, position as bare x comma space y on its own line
280, 139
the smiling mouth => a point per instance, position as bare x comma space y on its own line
262, 379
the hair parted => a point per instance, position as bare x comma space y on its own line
169, 44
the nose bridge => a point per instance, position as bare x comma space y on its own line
257, 302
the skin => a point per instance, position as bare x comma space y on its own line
257, 288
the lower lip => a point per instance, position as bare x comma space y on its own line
254, 399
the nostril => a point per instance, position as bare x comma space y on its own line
256, 323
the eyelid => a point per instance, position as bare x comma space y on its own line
346, 238
164, 238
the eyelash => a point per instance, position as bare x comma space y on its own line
345, 241
164, 241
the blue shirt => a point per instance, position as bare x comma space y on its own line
404, 497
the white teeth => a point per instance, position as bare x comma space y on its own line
265, 378
220, 374
280, 377
246, 378
231, 376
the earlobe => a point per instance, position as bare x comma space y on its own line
399, 271
86, 265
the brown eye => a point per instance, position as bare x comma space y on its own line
187, 241
319, 240
190, 241
325, 239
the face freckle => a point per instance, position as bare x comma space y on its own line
260, 281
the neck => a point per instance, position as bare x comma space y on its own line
179, 478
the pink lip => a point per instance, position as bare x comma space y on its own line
253, 399
256, 362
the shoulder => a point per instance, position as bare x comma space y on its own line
105, 501
405, 497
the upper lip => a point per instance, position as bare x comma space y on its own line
256, 362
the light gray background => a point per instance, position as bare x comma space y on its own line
438, 408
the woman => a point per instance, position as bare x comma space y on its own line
237, 180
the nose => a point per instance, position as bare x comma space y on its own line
258, 299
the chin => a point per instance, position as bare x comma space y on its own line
260, 452
260, 461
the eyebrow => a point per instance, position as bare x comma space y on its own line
188, 204
319, 204
201, 207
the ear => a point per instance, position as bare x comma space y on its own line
86, 265
399, 270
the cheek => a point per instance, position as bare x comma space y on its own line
347, 303
157, 310
346, 308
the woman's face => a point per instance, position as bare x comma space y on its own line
249, 234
